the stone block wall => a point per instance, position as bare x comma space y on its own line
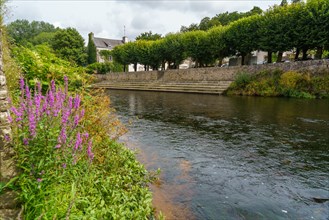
6, 164
212, 73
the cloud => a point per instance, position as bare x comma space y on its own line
107, 18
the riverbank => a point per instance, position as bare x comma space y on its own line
296, 84
212, 80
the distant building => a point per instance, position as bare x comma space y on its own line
106, 44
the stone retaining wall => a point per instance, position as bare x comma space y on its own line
212, 73
9, 208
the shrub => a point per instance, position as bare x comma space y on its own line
99, 68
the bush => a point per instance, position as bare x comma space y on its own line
99, 68
103, 68
39, 63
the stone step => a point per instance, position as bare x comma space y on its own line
165, 86
189, 87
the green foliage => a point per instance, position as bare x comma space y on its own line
43, 38
40, 63
22, 31
91, 50
278, 83
68, 44
103, 68
105, 54
148, 36
197, 46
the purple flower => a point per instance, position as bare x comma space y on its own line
63, 136
25, 141
76, 102
58, 146
78, 141
53, 87
89, 152
64, 165
39, 180
76, 120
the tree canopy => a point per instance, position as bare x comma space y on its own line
68, 44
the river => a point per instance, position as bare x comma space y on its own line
231, 157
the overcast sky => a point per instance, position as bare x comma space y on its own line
107, 18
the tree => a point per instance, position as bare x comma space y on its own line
22, 31
68, 44
91, 49
318, 21
192, 27
284, 3
173, 50
218, 44
197, 46
148, 36
241, 35
275, 31
43, 38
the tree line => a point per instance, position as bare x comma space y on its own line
298, 26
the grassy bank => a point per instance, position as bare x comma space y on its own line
64, 136
278, 83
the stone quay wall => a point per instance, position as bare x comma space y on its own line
211, 74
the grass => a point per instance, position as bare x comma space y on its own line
278, 83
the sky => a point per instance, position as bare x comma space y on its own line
107, 18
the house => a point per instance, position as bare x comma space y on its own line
106, 44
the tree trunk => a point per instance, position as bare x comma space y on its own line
163, 65
135, 67
242, 59
279, 59
297, 54
124, 68
220, 62
304, 53
269, 57
319, 51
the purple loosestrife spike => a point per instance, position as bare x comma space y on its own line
76, 120
32, 124
89, 152
70, 103
76, 102
39, 180
53, 87
78, 141
63, 136
58, 146
64, 165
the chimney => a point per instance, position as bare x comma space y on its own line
125, 39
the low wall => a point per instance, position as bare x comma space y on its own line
212, 73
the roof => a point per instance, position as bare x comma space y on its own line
106, 43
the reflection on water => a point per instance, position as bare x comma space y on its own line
234, 157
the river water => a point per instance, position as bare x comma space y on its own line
231, 157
